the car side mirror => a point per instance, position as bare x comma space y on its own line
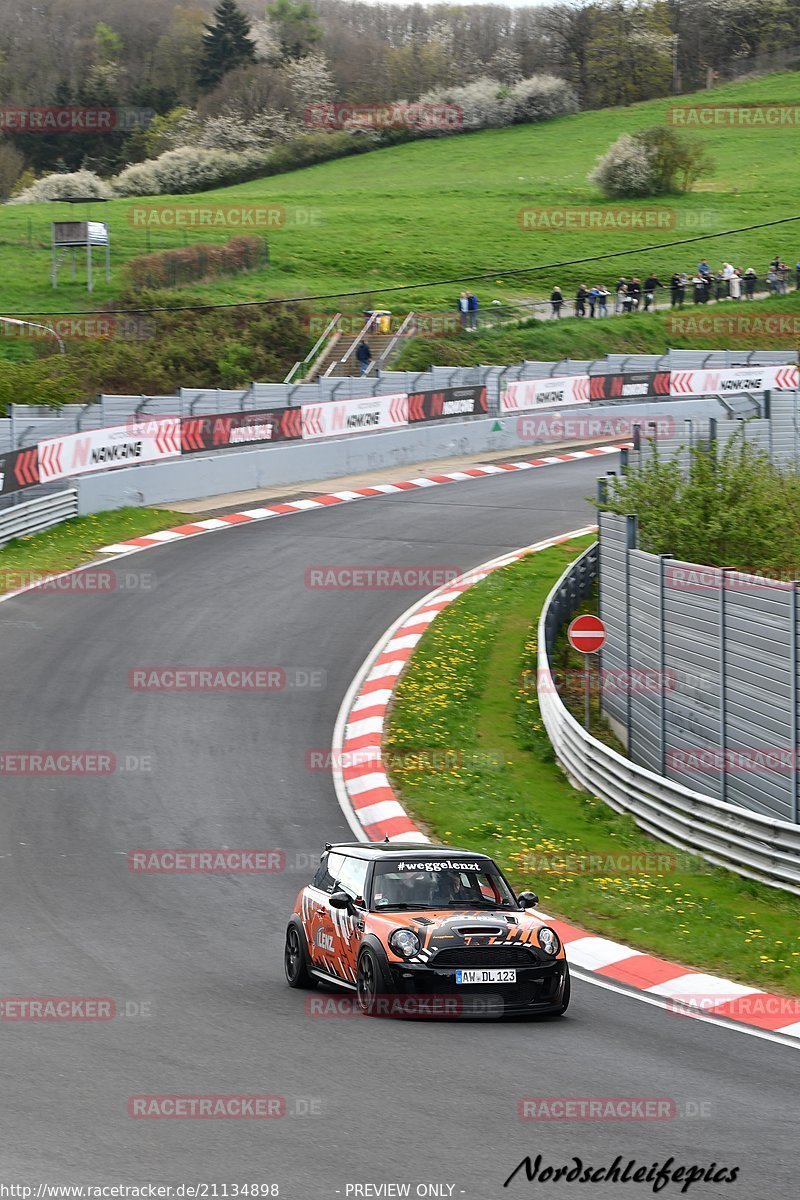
528, 899
340, 900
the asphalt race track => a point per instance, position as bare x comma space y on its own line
196, 960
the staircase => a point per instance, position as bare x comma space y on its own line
348, 366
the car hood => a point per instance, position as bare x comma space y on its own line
449, 929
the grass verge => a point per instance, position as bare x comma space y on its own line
77, 541
470, 758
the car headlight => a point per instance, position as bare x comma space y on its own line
548, 940
404, 942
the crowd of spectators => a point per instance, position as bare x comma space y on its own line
635, 295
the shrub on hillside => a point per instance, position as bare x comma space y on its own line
189, 169
65, 186
169, 268
487, 104
650, 163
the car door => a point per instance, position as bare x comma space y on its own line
348, 928
318, 919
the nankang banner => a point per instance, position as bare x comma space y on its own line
240, 429
552, 392
635, 385
449, 402
735, 379
339, 417
18, 469
149, 440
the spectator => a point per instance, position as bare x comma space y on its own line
700, 284
797, 276
620, 288
720, 286
782, 272
463, 308
580, 301
750, 279
592, 300
677, 290
703, 268
735, 285
635, 293
602, 297
364, 356
650, 284
772, 280
556, 300
626, 299
472, 310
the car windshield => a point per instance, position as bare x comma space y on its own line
439, 883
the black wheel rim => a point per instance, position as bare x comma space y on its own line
366, 983
292, 955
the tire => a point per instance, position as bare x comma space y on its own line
295, 959
370, 981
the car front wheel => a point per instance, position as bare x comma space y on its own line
295, 960
369, 982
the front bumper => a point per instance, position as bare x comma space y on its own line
539, 988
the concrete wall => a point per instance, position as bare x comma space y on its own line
296, 462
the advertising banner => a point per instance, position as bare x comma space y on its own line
449, 402
220, 430
734, 379
339, 417
545, 393
18, 469
148, 440
635, 385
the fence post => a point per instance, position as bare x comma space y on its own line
631, 539
723, 708
662, 660
793, 699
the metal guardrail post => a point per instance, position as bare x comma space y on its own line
723, 688
631, 538
794, 688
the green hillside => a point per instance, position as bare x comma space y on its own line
433, 209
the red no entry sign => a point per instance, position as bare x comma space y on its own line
586, 634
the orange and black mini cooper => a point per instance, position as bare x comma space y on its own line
392, 920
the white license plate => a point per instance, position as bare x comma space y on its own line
506, 975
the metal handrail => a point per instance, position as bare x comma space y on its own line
312, 352
387, 350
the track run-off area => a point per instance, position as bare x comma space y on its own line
194, 962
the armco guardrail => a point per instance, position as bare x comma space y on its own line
747, 843
35, 515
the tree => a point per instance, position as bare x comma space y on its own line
226, 44
296, 26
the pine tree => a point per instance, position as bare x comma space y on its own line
226, 44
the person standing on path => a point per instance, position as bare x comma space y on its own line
749, 283
677, 290
364, 356
556, 300
580, 301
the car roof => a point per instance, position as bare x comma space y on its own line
390, 850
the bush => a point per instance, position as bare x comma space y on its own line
732, 508
200, 261
652, 162
487, 104
189, 169
625, 169
64, 187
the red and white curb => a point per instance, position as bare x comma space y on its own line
374, 813
195, 528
